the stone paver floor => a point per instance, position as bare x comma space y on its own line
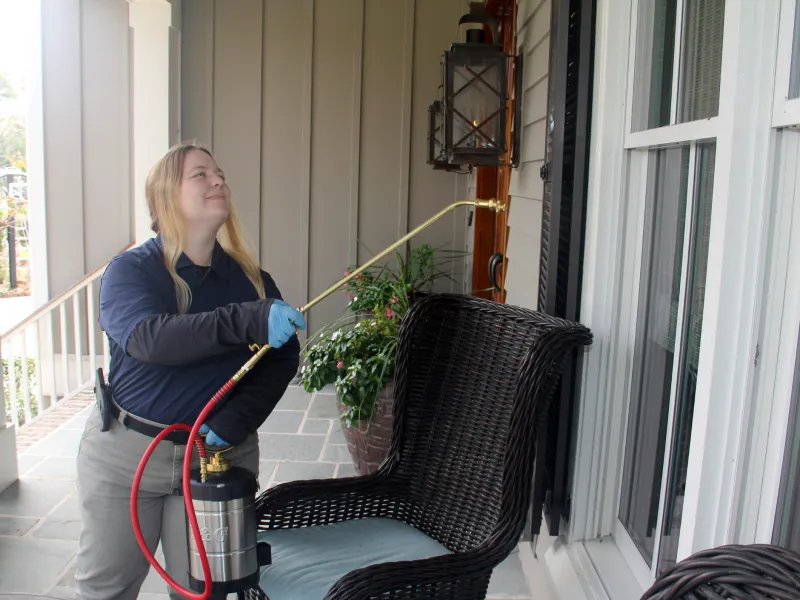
39, 523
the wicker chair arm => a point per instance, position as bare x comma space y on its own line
734, 571
325, 501
459, 576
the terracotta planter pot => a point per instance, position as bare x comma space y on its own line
368, 443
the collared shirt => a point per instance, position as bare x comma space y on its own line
137, 286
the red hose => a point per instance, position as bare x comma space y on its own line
187, 495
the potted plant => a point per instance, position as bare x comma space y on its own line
356, 353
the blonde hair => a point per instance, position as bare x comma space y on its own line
161, 191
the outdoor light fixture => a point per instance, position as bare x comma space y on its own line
436, 152
475, 108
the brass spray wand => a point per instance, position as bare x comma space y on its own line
261, 350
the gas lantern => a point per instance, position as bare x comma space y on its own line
475, 107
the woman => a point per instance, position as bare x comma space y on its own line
180, 311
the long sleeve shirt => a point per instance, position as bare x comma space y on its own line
165, 366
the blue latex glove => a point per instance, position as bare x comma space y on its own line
283, 321
212, 439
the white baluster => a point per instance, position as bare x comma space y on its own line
51, 347
26, 388
92, 329
5, 406
62, 313
12, 382
106, 355
40, 407
76, 317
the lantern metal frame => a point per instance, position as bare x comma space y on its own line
446, 150
437, 157
475, 146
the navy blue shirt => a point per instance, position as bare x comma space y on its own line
137, 292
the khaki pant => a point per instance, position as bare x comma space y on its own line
110, 564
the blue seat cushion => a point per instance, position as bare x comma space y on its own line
306, 562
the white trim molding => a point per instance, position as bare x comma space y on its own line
599, 426
672, 134
35, 157
738, 208
593, 570
769, 397
9, 468
150, 83
573, 575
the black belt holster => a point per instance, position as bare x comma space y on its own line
102, 393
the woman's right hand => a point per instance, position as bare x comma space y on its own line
282, 323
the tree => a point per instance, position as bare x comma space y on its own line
12, 127
7, 91
12, 140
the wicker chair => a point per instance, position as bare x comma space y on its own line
754, 572
472, 378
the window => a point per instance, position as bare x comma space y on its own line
675, 280
794, 69
787, 518
674, 92
786, 110
655, 345
677, 62
667, 345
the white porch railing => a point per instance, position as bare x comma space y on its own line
50, 355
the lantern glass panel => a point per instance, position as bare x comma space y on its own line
478, 104
436, 134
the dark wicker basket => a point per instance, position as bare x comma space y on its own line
472, 379
755, 572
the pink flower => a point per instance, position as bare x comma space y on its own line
340, 365
394, 300
389, 313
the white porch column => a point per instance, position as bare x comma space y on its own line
156, 27
8, 447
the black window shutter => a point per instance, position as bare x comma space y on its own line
563, 222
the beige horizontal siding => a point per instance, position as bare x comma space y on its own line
317, 111
526, 187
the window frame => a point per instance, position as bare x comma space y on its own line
609, 289
639, 174
763, 450
674, 133
785, 110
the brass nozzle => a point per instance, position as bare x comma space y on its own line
495, 205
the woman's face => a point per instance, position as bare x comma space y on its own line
204, 197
